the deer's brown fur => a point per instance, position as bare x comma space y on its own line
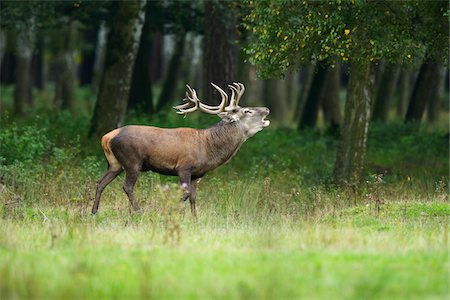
184, 152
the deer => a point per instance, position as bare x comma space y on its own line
184, 152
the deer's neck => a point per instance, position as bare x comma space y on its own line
222, 141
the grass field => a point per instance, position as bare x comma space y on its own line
398, 252
271, 225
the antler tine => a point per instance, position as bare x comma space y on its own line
222, 93
215, 109
191, 98
233, 95
182, 111
240, 89
237, 90
183, 108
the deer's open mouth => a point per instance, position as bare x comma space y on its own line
265, 122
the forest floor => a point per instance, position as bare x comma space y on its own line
271, 224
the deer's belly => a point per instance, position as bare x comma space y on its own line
158, 168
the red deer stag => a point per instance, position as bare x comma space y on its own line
184, 152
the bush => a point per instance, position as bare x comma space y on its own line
28, 144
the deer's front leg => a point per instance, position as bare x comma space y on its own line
185, 180
192, 197
189, 191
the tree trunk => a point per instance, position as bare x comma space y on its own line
23, 95
38, 65
88, 57
66, 66
290, 87
424, 89
275, 98
220, 52
170, 83
379, 68
385, 92
100, 50
157, 57
305, 81
403, 92
9, 59
437, 97
2, 46
351, 149
312, 105
141, 97
193, 60
330, 99
122, 46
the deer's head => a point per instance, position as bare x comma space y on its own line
249, 119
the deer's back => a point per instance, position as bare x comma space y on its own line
162, 150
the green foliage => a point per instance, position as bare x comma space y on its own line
48, 14
26, 145
287, 33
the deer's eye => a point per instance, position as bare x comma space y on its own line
248, 112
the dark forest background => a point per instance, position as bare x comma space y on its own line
322, 63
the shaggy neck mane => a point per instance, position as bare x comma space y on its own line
222, 141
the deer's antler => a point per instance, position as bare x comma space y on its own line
237, 90
191, 98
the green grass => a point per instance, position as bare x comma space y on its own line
260, 238
271, 224
353, 253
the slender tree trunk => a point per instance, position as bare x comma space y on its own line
9, 59
100, 50
437, 97
193, 61
351, 151
330, 101
170, 83
274, 97
141, 97
2, 46
403, 92
305, 81
23, 82
425, 88
38, 65
243, 69
157, 57
66, 77
312, 105
290, 88
220, 52
8, 67
123, 43
88, 57
379, 69
385, 93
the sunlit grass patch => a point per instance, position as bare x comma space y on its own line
56, 253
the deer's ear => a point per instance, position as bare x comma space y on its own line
227, 117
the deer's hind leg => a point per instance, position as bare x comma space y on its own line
114, 168
131, 177
110, 175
